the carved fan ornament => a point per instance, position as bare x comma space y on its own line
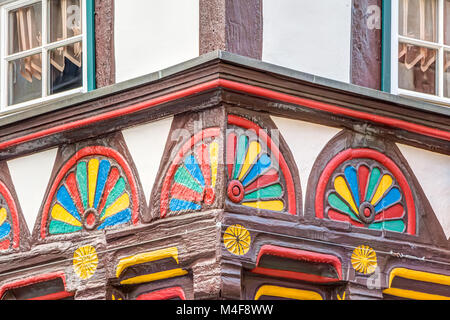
258, 175
9, 223
367, 189
190, 181
94, 190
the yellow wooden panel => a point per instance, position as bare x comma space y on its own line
155, 276
171, 252
290, 293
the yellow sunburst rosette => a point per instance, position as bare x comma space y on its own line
85, 261
237, 239
364, 259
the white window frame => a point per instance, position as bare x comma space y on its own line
43, 49
440, 46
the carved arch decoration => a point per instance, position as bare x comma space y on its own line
93, 190
9, 220
190, 175
366, 188
366, 183
258, 174
190, 181
229, 158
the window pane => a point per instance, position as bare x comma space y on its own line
417, 19
447, 22
24, 79
25, 28
65, 19
65, 68
447, 74
417, 68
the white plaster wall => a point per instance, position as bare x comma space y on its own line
146, 144
30, 176
309, 36
306, 140
432, 170
150, 35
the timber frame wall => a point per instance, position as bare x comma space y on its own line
209, 89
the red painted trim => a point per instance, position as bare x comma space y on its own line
231, 153
14, 214
401, 124
87, 151
293, 275
396, 123
114, 114
163, 294
33, 280
4, 245
377, 156
203, 154
181, 192
297, 254
395, 212
244, 123
363, 179
113, 176
199, 136
55, 296
334, 215
72, 188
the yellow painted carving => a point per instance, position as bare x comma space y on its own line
92, 179
385, 183
409, 294
290, 293
171, 252
252, 153
2, 215
85, 261
341, 298
120, 204
214, 157
341, 187
274, 205
237, 239
419, 276
155, 276
61, 214
364, 259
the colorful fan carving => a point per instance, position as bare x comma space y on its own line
191, 178
9, 223
366, 189
367, 196
257, 172
5, 229
95, 190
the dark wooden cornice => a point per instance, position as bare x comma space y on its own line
184, 87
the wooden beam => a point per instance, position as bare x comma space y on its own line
231, 26
366, 43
